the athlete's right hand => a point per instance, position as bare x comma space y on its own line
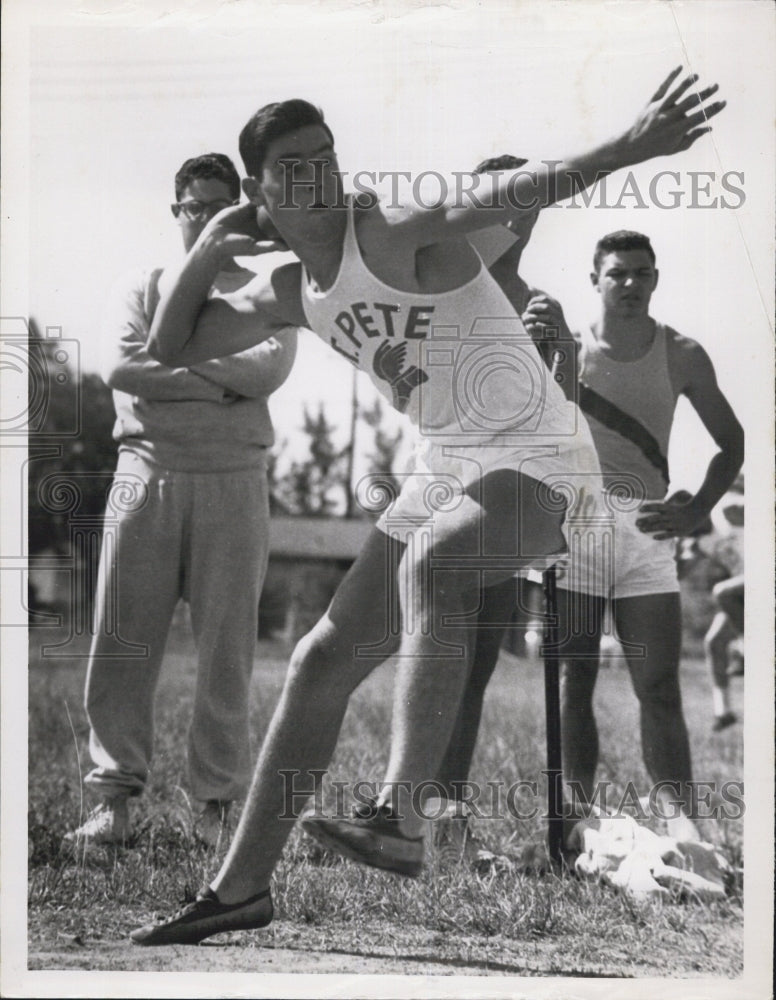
667, 124
543, 318
236, 232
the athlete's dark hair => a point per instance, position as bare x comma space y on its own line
209, 166
504, 162
623, 239
269, 123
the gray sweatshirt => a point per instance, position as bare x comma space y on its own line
212, 417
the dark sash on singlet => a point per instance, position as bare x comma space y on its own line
617, 420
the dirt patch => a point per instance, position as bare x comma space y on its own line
287, 948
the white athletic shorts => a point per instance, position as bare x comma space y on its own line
615, 559
442, 473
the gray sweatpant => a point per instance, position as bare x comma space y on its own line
203, 537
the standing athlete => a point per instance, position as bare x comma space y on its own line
632, 371
542, 316
401, 292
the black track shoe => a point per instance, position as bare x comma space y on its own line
372, 836
206, 916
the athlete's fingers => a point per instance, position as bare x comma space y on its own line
648, 527
653, 506
663, 88
704, 114
660, 534
699, 98
269, 246
666, 526
244, 246
532, 320
236, 219
670, 101
544, 307
544, 326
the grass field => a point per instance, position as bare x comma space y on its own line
341, 916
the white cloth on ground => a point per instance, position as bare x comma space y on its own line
644, 864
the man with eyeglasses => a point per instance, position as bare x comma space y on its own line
190, 520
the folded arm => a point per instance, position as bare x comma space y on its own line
259, 371
125, 363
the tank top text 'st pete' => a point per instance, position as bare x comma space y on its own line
459, 363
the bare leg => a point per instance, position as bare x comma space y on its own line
729, 595
499, 603
580, 618
326, 667
654, 622
303, 733
726, 626
721, 632
441, 591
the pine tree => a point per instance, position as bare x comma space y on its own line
311, 485
382, 459
62, 402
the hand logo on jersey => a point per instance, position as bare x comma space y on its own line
387, 364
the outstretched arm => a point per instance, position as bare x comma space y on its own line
692, 364
670, 123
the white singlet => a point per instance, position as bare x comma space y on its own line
463, 368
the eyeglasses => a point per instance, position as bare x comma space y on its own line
198, 210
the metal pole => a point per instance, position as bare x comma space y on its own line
552, 708
351, 451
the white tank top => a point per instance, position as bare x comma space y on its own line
460, 364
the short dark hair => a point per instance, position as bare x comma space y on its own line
504, 162
269, 123
623, 239
209, 166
